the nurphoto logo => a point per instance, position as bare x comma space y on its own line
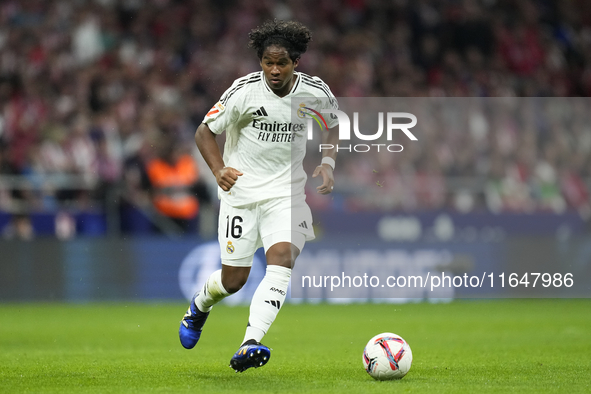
345, 130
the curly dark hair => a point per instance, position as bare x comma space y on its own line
291, 35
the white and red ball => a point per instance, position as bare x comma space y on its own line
387, 356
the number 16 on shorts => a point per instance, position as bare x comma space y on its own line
237, 232
234, 229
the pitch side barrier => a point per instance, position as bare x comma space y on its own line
340, 268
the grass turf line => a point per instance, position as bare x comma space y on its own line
515, 346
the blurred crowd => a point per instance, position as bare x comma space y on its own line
92, 92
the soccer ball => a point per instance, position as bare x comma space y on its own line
387, 356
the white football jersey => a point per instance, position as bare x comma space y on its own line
265, 140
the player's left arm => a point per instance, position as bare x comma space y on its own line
326, 168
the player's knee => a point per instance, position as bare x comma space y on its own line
284, 260
282, 255
233, 284
234, 278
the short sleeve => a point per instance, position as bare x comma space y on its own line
330, 102
225, 112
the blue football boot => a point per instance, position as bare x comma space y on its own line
191, 325
251, 354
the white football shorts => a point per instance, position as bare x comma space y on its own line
244, 229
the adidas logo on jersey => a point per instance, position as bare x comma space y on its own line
303, 225
275, 303
260, 112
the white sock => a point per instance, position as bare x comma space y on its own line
212, 292
267, 301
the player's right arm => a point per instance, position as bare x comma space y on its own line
225, 176
221, 117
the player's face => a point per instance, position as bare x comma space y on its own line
278, 69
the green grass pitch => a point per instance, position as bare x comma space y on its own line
514, 346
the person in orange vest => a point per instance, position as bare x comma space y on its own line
173, 176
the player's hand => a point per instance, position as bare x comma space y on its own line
226, 177
327, 178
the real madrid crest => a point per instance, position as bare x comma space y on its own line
230, 247
301, 111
